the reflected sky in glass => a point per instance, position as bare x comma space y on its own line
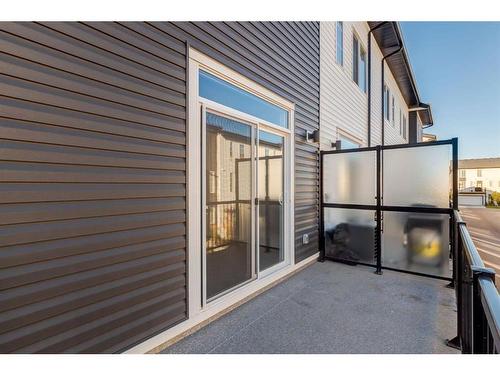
220, 91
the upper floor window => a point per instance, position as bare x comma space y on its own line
387, 95
347, 142
393, 110
404, 127
479, 173
358, 63
340, 43
462, 173
400, 122
223, 92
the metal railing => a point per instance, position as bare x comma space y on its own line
229, 222
478, 301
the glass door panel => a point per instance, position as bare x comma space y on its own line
228, 242
270, 193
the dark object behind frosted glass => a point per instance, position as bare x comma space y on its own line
350, 234
417, 242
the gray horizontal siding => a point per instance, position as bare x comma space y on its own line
92, 192
283, 57
93, 156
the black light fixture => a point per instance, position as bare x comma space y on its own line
337, 145
313, 136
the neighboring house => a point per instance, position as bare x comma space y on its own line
363, 106
480, 175
156, 174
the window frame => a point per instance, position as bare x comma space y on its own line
342, 134
246, 101
400, 122
405, 129
358, 51
339, 42
387, 96
393, 110
198, 106
355, 59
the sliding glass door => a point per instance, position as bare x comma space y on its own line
244, 200
228, 191
270, 193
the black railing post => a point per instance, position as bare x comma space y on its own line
454, 145
322, 212
453, 227
457, 279
479, 322
378, 229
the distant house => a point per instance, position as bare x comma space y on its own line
479, 175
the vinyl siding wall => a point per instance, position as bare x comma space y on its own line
393, 134
420, 130
344, 105
93, 182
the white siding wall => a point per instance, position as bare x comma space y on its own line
343, 105
490, 178
420, 131
393, 134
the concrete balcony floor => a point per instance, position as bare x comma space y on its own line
335, 308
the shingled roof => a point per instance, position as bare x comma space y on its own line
479, 163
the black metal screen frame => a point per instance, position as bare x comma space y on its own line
379, 208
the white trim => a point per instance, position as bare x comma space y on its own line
237, 79
287, 232
216, 308
193, 198
243, 115
345, 134
195, 168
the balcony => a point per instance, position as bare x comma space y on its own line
415, 282
336, 308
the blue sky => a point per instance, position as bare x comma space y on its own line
457, 68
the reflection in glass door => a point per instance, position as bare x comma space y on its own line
270, 194
228, 183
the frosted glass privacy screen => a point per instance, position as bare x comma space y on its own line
350, 177
417, 176
416, 242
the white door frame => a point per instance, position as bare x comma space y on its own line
195, 180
